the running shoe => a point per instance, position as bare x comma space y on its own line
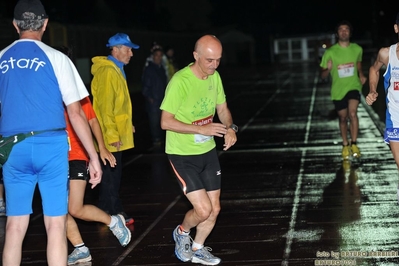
355, 151
183, 245
78, 256
346, 152
120, 230
204, 257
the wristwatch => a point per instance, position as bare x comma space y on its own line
234, 127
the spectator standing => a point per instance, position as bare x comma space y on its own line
113, 107
154, 82
169, 58
78, 177
165, 61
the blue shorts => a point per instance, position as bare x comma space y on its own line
195, 172
41, 160
391, 134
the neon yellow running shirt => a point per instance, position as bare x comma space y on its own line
192, 101
344, 71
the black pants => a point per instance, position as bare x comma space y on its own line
109, 200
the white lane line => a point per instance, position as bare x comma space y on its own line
264, 106
291, 231
133, 159
131, 246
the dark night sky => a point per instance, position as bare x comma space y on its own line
259, 17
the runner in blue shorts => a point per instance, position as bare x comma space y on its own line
36, 82
388, 57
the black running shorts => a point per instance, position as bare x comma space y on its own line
343, 104
78, 170
195, 172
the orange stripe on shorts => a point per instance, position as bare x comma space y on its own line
179, 178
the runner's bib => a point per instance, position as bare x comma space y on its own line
346, 70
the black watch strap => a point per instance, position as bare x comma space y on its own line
234, 127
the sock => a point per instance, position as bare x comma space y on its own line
182, 231
353, 142
114, 220
81, 247
196, 246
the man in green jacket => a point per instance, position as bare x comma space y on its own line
113, 107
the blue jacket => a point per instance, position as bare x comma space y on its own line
154, 83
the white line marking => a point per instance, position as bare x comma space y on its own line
258, 112
138, 240
133, 159
264, 106
291, 231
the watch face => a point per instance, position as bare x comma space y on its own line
234, 127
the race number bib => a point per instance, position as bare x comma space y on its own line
346, 70
198, 138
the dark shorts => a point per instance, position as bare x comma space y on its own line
343, 104
78, 170
195, 172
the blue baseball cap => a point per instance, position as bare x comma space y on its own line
121, 39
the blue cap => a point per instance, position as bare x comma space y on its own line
121, 39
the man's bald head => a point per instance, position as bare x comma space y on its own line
207, 54
207, 42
